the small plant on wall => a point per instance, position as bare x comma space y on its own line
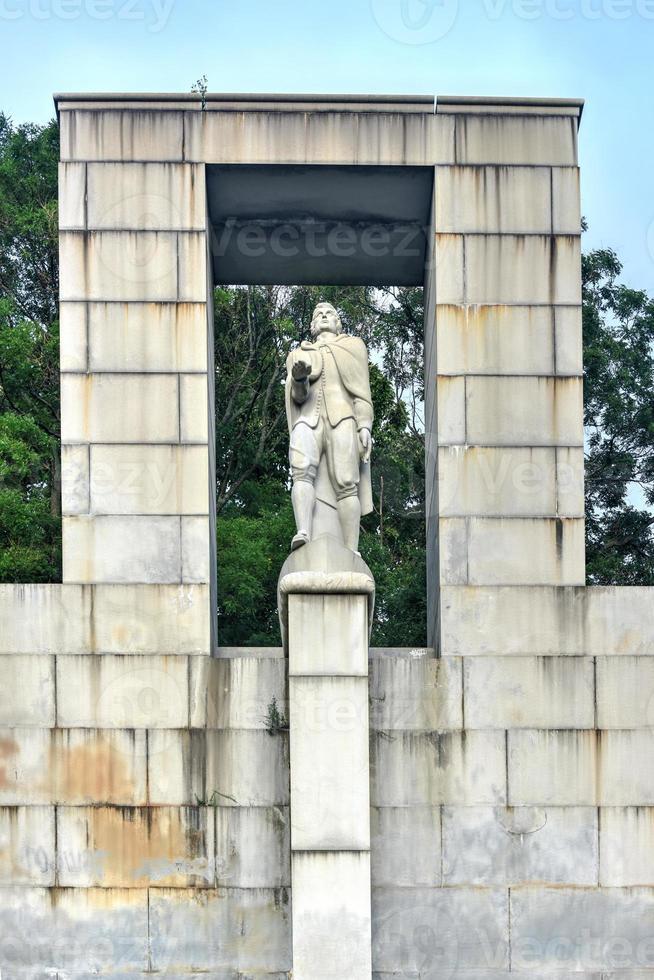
276, 720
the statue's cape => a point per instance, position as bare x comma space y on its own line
351, 359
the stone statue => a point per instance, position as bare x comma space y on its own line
329, 412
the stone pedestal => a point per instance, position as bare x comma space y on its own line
326, 595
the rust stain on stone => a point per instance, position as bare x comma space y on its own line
138, 840
8, 748
93, 771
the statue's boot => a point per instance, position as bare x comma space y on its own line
349, 513
299, 539
303, 498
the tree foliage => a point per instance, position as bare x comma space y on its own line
254, 330
618, 325
30, 532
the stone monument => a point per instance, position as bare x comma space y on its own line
145, 825
329, 411
326, 598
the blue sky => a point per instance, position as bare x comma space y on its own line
600, 50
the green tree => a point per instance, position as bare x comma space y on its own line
30, 532
254, 330
618, 325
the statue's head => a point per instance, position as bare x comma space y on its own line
325, 317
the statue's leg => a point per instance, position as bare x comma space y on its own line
343, 464
304, 454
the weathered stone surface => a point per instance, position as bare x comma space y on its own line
512, 551
141, 479
72, 196
73, 619
329, 771
27, 847
626, 846
493, 199
192, 258
625, 775
125, 691
331, 916
75, 480
253, 847
566, 207
120, 265
612, 768
529, 692
131, 847
98, 766
73, 344
568, 340
44, 618
415, 693
23, 767
497, 482
447, 269
413, 769
124, 548
516, 139
625, 692
319, 137
234, 767
237, 692
146, 337
73, 931
247, 930
494, 339
522, 269
27, 692
451, 411
570, 499
519, 845
74, 766
440, 930
405, 846
552, 768
524, 411
194, 408
118, 847
145, 196
196, 549
510, 481
176, 769
115, 135
328, 635
158, 619
555, 929
122, 408
597, 621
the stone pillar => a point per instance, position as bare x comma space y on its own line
504, 340
136, 337
326, 597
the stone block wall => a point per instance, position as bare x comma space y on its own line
135, 346
144, 804
504, 346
